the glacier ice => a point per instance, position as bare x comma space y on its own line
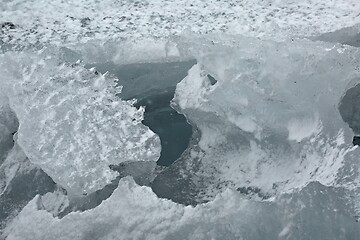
271, 153
271, 122
72, 124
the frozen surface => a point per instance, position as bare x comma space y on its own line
62, 22
271, 121
271, 155
273, 115
136, 213
72, 124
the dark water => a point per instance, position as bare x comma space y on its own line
172, 127
153, 84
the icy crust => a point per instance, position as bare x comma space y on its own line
271, 122
32, 23
316, 212
72, 125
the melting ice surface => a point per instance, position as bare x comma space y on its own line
271, 155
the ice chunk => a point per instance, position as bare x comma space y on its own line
55, 202
271, 121
72, 124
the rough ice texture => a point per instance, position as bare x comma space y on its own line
58, 22
275, 134
137, 213
261, 138
72, 124
271, 121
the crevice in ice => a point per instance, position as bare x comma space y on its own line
153, 85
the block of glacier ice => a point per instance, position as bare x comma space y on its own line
271, 121
72, 124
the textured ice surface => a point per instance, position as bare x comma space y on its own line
271, 152
72, 124
58, 22
271, 122
316, 212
